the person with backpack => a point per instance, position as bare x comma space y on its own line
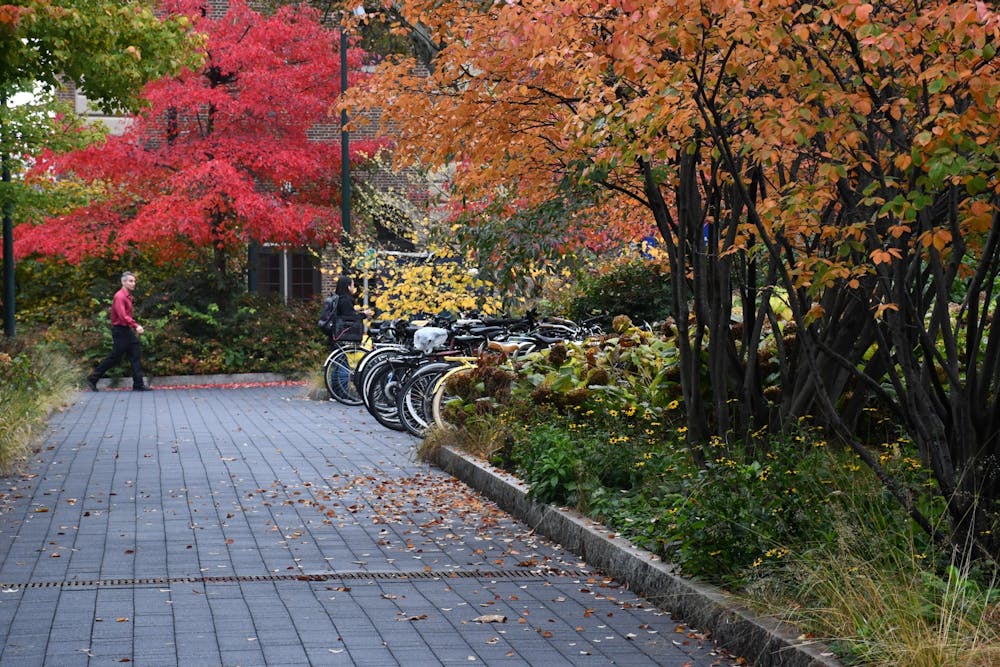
340, 320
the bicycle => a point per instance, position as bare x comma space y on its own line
542, 335
339, 367
387, 379
413, 400
338, 372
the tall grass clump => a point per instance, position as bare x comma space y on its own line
34, 380
884, 605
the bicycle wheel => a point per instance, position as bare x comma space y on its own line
366, 391
371, 359
413, 402
441, 396
338, 373
381, 386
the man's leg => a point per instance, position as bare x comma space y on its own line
135, 358
119, 347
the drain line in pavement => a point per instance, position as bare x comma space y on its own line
316, 577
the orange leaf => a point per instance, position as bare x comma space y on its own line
882, 307
881, 257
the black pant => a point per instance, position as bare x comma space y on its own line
124, 341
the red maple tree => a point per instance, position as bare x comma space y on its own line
224, 155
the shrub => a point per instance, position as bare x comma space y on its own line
741, 515
194, 324
638, 288
551, 462
257, 334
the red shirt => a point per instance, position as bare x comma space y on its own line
121, 310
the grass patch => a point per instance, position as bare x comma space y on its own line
34, 380
885, 606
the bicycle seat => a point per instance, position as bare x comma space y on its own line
506, 348
547, 340
486, 332
426, 339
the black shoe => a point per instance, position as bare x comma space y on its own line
144, 387
92, 383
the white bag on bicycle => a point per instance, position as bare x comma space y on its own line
427, 339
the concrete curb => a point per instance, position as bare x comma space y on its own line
762, 641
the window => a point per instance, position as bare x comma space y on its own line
291, 274
268, 271
303, 282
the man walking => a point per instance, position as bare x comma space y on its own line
125, 332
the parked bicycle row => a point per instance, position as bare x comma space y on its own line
400, 371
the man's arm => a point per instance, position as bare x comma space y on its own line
121, 311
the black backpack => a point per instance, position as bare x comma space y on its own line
328, 316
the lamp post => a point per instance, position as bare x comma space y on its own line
8, 254
345, 144
8, 230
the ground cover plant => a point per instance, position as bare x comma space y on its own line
798, 525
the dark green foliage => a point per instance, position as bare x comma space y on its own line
550, 462
639, 289
619, 453
256, 334
507, 242
17, 374
194, 324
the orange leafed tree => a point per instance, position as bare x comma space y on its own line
501, 123
842, 154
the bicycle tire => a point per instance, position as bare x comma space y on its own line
413, 401
380, 396
370, 370
371, 359
338, 373
440, 397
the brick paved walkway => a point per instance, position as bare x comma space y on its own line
251, 526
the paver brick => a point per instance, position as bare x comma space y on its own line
251, 526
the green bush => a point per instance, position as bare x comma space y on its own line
257, 334
639, 289
195, 323
550, 461
598, 425
741, 515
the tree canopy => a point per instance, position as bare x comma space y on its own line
224, 154
837, 157
107, 48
